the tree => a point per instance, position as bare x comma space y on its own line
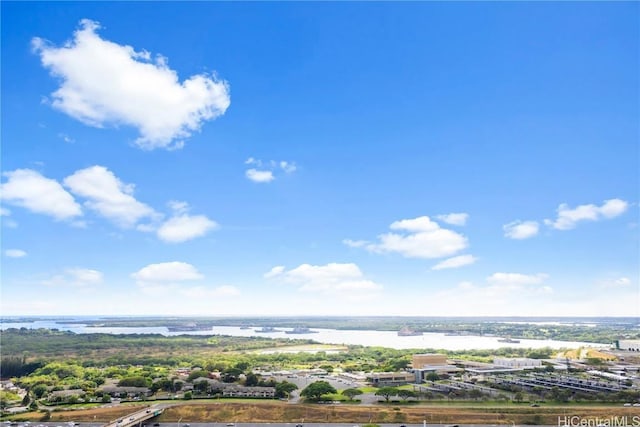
106, 399
285, 388
251, 380
188, 395
230, 375
432, 376
351, 393
316, 390
518, 397
405, 394
39, 391
387, 392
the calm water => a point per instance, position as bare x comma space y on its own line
327, 336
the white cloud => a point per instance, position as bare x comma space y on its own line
15, 253
104, 83
78, 277
265, 171
216, 292
7, 222
260, 176
521, 229
175, 271
66, 138
454, 218
514, 281
455, 262
288, 167
29, 189
275, 271
355, 243
423, 238
618, 282
178, 207
568, 218
185, 227
108, 196
333, 278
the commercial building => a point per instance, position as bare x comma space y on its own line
517, 362
629, 345
383, 379
420, 361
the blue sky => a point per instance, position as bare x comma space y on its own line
320, 158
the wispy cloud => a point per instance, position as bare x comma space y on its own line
455, 262
454, 218
77, 277
334, 278
521, 229
265, 171
569, 218
15, 253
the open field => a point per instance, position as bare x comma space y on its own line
282, 412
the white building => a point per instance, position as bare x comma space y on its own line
629, 345
517, 362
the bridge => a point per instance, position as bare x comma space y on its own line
137, 417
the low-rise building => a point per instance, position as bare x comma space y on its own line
234, 390
517, 362
419, 361
383, 379
629, 345
116, 391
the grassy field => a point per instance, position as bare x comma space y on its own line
275, 411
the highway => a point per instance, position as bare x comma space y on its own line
136, 418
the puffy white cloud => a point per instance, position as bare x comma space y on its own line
568, 218
4, 212
185, 227
333, 278
79, 277
521, 229
265, 171
108, 196
454, 218
15, 253
422, 238
105, 83
29, 189
175, 271
260, 176
455, 262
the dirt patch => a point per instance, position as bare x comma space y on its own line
283, 412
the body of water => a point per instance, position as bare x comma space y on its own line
388, 339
